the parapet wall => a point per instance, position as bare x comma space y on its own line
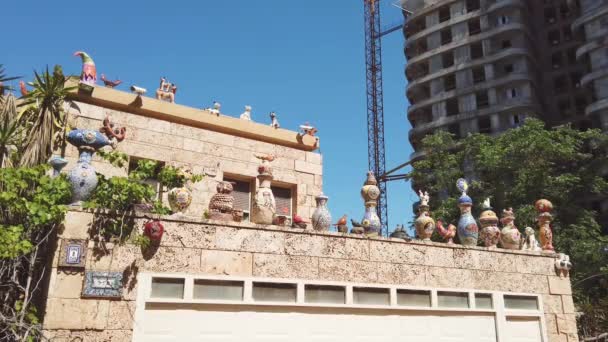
202, 247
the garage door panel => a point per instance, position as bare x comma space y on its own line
233, 323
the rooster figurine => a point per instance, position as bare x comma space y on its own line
298, 222
341, 224
108, 83
89, 72
23, 89
447, 234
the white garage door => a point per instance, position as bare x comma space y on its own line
523, 330
215, 323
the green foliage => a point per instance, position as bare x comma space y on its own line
116, 158
519, 167
30, 201
172, 177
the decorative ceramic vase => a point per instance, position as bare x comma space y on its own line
179, 199
82, 178
154, 230
467, 229
510, 238
321, 218
370, 193
425, 225
264, 205
57, 163
490, 234
544, 207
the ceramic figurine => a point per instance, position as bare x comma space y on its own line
341, 225
321, 218
425, 225
490, 234
510, 238
180, 198
82, 177
109, 83
264, 205
370, 193
562, 265
57, 163
154, 230
23, 89
220, 205
447, 234
529, 242
467, 229
400, 233
544, 207
298, 222
114, 133
274, 122
216, 108
166, 90
308, 130
246, 114
357, 227
89, 72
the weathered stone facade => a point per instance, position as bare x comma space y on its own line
244, 249
208, 152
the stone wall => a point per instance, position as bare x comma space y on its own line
244, 249
208, 152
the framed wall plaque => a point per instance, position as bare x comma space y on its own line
73, 253
102, 285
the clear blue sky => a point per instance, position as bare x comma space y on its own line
302, 59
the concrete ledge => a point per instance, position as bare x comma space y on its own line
146, 106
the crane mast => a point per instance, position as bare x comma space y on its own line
375, 110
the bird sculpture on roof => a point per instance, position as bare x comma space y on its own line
341, 224
108, 83
89, 72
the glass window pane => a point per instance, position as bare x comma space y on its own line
325, 294
271, 292
218, 290
414, 298
453, 299
167, 288
371, 296
521, 302
483, 301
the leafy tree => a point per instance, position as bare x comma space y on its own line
517, 168
49, 120
31, 210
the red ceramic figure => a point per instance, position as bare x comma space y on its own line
154, 230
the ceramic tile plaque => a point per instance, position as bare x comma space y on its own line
102, 284
73, 253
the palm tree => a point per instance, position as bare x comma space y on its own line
49, 121
11, 130
4, 78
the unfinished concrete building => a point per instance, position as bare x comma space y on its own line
485, 65
593, 26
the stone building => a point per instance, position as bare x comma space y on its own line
227, 281
485, 65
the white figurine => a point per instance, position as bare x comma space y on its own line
274, 122
529, 242
216, 108
486, 204
424, 197
246, 114
563, 265
308, 130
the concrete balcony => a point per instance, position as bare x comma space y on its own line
592, 13
601, 72
468, 40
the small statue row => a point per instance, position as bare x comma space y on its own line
468, 232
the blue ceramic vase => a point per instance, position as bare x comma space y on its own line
83, 178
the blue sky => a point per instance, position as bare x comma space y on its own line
302, 59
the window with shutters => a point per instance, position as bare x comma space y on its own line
283, 199
242, 195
